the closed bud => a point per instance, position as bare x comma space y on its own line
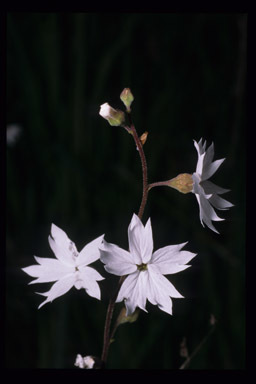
113, 116
143, 138
127, 98
123, 318
183, 183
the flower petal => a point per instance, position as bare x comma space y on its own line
167, 253
220, 203
140, 240
58, 289
211, 188
147, 243
91, 272
61, 245
156, 295
209, 153
207, 210
135, 233
117, 261
48, 270
87, 280
90, 252
203, 217
134, 292
173, 262
165, 287
210, 169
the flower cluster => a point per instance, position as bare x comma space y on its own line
142, 269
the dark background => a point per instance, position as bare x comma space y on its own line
70, 167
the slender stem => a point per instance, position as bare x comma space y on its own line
197, 349
109, 315
144, 171
159, 184
110, 310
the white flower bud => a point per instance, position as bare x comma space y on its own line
113, 116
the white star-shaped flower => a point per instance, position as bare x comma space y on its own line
145, 268
70, 268
207, 192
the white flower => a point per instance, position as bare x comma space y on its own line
206, 192
86, 362
69, 269
144, 268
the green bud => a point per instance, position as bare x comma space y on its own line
122, 318
113, 116
127, 98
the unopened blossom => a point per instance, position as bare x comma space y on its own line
144, 268
69, 268
207, 193
113, 116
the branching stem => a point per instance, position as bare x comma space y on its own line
107, 339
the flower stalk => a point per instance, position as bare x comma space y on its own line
132, 130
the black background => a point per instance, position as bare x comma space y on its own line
70, 167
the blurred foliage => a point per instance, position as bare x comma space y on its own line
187, 73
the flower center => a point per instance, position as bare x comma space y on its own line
142, 267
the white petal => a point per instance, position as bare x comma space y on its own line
135, 236
58, 289
165, 253
117, 261
87, 280
90, 252
127, 286
203, 217
147, 243
156, 295
211, 188
200, 147
172, 262
209, 154
138, 294
165, 304
211, 169
164, 286
200, 164
134, 291
220, 203
208, 211
48, 270
91, 273
170, 268
61, 245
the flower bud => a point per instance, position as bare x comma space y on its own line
113, 116
143, 138
127, 98
123, 318
183, 183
